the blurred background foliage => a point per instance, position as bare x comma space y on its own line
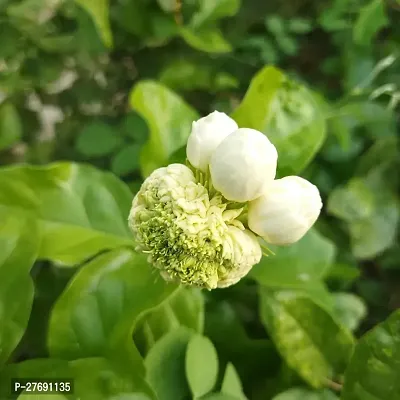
96, 81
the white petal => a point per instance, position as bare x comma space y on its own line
286, 211
245, 252
207, 133
243, 164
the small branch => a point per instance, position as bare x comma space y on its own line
337, 387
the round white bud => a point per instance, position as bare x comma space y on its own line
207, 133
286, 211
243, 165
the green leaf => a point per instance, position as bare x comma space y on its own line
10, 126
300, 330
209, 40
219, 396
371, 20
42, 397
353, 201
168, 6
275, 24
213, 10
135, 127
98, 139
378, 120
373, 372
81, 210
372, 212
288, 114
163, 28
165, 365
19, 244
301, 263
300, 25
287, 44
93, 378
383, 153
231, 384
187, 75
35, 11
201, 365
350, 309
247, 354
344, 274
184, 308
169, 119
57, 44
306, 394
99, 11
126, 160
96, 313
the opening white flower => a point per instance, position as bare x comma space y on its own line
286, 211
199, 223
207, 133
189, 232
243, 165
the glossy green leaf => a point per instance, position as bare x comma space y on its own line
19, 244
209, 40
201, 365
350, 309
184, 308
165, 365
98, 139
371, 20
126, 160
231, 384
10, 126
308, 338
301, 263
374, 369
93, 378
213, 10
169, 119
288, 114
81, 210
96, 313
99, 11
306, 394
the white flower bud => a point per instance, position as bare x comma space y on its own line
286, 211
243, 165
207, 133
